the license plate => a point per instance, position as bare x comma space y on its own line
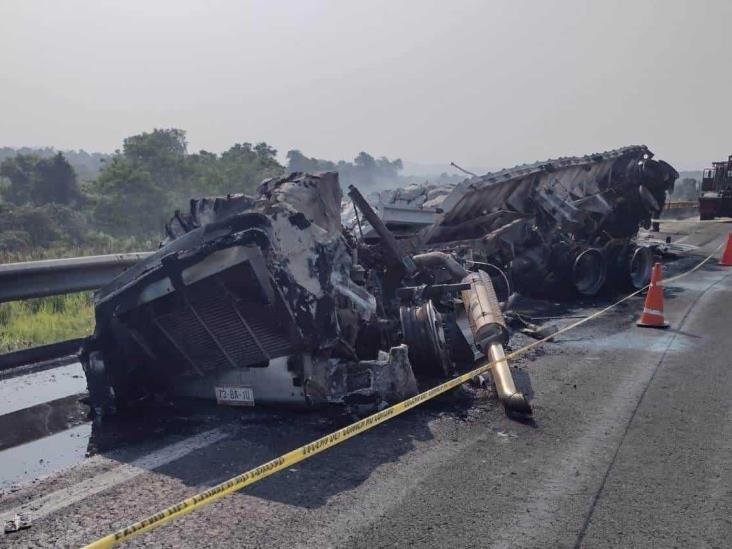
235, 396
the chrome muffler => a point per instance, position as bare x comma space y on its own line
490, 334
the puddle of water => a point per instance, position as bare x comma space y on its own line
22, 464
29, 390
42, 420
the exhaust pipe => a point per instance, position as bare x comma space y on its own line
440, 259
513, 401
490, 334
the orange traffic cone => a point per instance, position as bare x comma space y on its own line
727, 254
652, 316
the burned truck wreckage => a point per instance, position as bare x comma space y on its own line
291, 297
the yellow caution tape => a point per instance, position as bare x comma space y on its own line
692, 219
334, 438
676, 205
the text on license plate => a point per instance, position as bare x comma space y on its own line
237, 396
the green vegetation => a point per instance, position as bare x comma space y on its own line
140, 187
86, 165
45, 320
129, 195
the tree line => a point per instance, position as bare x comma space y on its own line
50, 198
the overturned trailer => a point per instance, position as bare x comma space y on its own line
560, 227
269, 299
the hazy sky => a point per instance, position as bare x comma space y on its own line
489, 83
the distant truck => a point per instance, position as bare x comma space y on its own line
715, 195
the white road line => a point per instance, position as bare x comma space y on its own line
55, 501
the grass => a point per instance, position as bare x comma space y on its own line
45, 320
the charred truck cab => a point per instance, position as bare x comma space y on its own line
715, 195
292, 298
263, 295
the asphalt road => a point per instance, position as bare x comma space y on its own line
631, 447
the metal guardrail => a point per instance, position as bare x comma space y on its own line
679, 210
41, 353
60, 276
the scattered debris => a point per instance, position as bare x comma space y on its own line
537, 331
297, 297
21, 521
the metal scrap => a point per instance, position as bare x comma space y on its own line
20, 521
301, 298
